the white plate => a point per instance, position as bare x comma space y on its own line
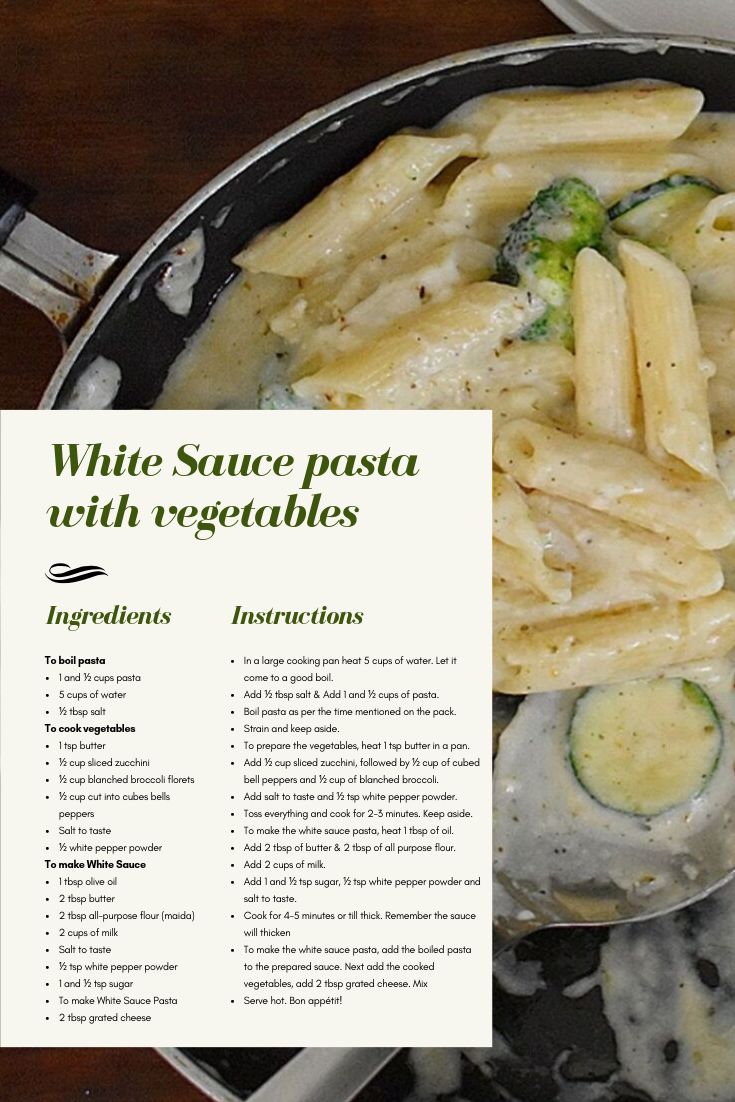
575, 15
709, 18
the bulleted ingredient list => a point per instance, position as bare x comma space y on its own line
246, 744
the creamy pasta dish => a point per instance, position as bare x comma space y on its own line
565, 258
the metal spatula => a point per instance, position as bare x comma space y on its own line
324, 1075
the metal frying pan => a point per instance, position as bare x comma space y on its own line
129, 325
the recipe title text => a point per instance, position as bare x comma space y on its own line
304, 507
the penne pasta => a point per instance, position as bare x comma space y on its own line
717, 330
513, 381
491, 191
711, 136
520, 122
605, 384
516, 606
613, 479
629, 564
726, 464
672, 370
319, 234
520, 376
704, 248
612, 565
594, 650
407, 248
464, 331
452, 265
532, 404
519, 552
409, 235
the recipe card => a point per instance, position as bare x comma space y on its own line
246, 714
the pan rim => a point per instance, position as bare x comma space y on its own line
199, 1078
534, 47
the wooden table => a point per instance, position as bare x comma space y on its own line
116, 112
90, 1075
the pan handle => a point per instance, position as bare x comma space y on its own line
43, 266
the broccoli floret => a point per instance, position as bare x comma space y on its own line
540, 248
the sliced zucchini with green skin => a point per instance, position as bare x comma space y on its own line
653, 213
644, 747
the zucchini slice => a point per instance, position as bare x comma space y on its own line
657, 213
644, 747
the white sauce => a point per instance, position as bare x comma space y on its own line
96, 387
655, 997
518, 977
674, 1031
274, 168
582, 987
232, 351
221, 217
437, 1071
182, 267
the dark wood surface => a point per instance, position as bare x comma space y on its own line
116, 112
90, 1075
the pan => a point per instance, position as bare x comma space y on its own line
102, 307
551, 1046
